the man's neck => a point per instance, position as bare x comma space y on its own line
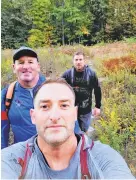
58, 157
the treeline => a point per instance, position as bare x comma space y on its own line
60, 22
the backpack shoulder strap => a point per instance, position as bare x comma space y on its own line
88, 74
9, 95
24, 162
72, 76
28, 153
83, 160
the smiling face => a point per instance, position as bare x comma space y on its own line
27, 70
79, 62
54, 114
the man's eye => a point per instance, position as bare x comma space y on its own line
64, 106
45, 107
20, 62
30, 62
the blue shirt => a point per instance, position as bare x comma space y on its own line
19, 114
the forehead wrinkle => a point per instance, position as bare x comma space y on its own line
64, 100
50, 100
44, 101
47, 89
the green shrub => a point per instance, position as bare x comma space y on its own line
117, 125
130, 40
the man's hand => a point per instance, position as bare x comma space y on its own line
96, 112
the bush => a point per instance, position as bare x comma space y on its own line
6, 73
116, 64
117, 125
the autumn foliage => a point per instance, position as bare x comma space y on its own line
116, 64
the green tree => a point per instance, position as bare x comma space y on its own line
71, 21
52, 22
42, 30
14, 23
121, 19
98, 10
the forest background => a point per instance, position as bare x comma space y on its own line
105, 30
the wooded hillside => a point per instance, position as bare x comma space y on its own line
61, 22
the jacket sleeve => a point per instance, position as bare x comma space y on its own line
5, 125
97, 92
110, 163
42, 77
10, 168
66, 76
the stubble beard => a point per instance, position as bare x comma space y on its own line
55, 139
79, 69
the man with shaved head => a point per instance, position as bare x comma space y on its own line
56, 152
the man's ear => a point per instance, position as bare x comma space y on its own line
32, 114
13, 67
39, 67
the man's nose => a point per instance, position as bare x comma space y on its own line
55, 114
26, 65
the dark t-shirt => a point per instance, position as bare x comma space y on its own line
83, 93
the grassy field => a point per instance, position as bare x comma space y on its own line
115, 65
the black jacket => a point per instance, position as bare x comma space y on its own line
83, 84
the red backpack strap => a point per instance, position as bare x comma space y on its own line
83, 160
9, 95
24, 162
